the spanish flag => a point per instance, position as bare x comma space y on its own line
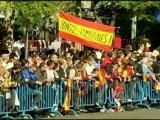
101, 79
85, 32
156, 84
66, 104
120, 66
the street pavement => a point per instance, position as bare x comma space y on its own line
152, 113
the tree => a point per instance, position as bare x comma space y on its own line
7, 10
41, 15
135, 12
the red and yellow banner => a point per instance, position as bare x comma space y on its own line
85, 32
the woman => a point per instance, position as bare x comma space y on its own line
5, 86
75, 77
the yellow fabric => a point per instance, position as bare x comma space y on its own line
66, 104
7, 81
124, 74
96, 84
79, 92
157, 87
144, 77
120, 68
101, 77
69, 83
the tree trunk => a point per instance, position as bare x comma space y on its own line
133, 27
113, 19
46, 29
11, 21
133, 31
24, 33
78, 10
10, 30
26, 44
98, 19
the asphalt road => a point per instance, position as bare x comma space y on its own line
152, 113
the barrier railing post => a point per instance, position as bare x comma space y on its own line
140, 93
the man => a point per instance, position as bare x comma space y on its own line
56, 44
63, 70
107, 63
156, 67
54, 58
17, 45
32, 79
12, 59
16, 77
42, 72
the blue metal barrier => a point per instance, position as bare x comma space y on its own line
50, 99
141, 91
154, 95
4, 110
91, 96
52, 96
88, 94
26, 100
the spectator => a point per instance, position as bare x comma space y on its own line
12, 59
75, 76
156, 67
49, 71
24, 64
56, 44
32, 58
6, 84
17, 77
63, 71
42, 72
54, 58
32, 79
5, 58
17, 45
89, 67
107, 63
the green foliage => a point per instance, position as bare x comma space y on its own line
32, 14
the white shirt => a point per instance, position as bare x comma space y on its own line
18, 44
89, 69
50, 74
9, 65
55, 45
99, 55
17, 47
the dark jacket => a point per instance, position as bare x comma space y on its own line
138, 68
17, 77
156, 67
41, 76
61, 72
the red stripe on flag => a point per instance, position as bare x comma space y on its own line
84, 42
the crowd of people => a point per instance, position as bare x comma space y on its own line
118, 65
